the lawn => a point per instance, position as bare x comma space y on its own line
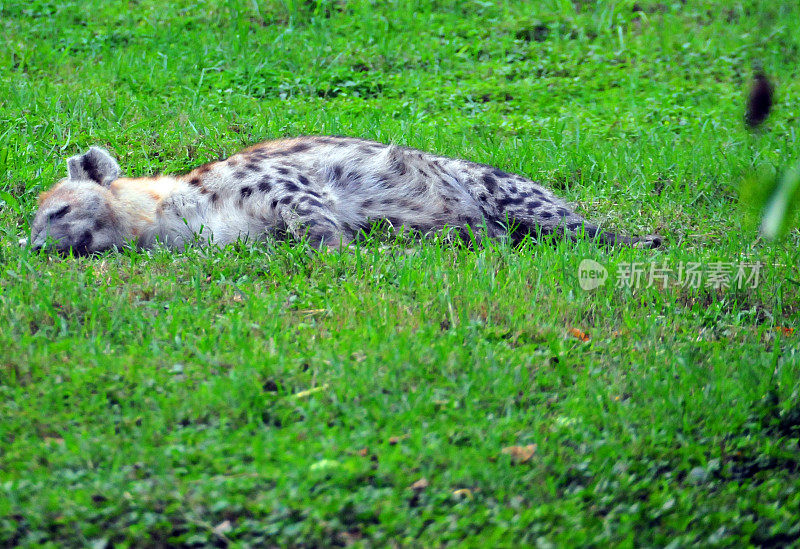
406, 392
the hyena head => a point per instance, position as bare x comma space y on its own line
77, 213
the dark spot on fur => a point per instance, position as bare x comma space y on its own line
507, 200
303, 180
398, 165
407, 204
214, 198
290, 187
311, 202
562, 212
246, 191
298, 148
283, 170
546, 214
99, 224
294, 149
337, 171
490, 182
251, 166
274, 204
535, 204
437, 170
195, 181
355, 177
500, 174
265, 184
369, 148
240, 174
285, 200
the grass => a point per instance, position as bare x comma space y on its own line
260, 394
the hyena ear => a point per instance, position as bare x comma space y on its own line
96, 165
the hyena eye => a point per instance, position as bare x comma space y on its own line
59, 213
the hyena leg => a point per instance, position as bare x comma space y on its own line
317, 223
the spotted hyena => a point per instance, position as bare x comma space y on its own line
327, 189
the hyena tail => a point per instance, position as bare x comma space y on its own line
566, 223
649, 241
528, 208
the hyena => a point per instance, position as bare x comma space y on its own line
325, 189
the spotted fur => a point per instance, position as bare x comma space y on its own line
325, 188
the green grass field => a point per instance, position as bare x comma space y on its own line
264, 395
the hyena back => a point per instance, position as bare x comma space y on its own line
325, 188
